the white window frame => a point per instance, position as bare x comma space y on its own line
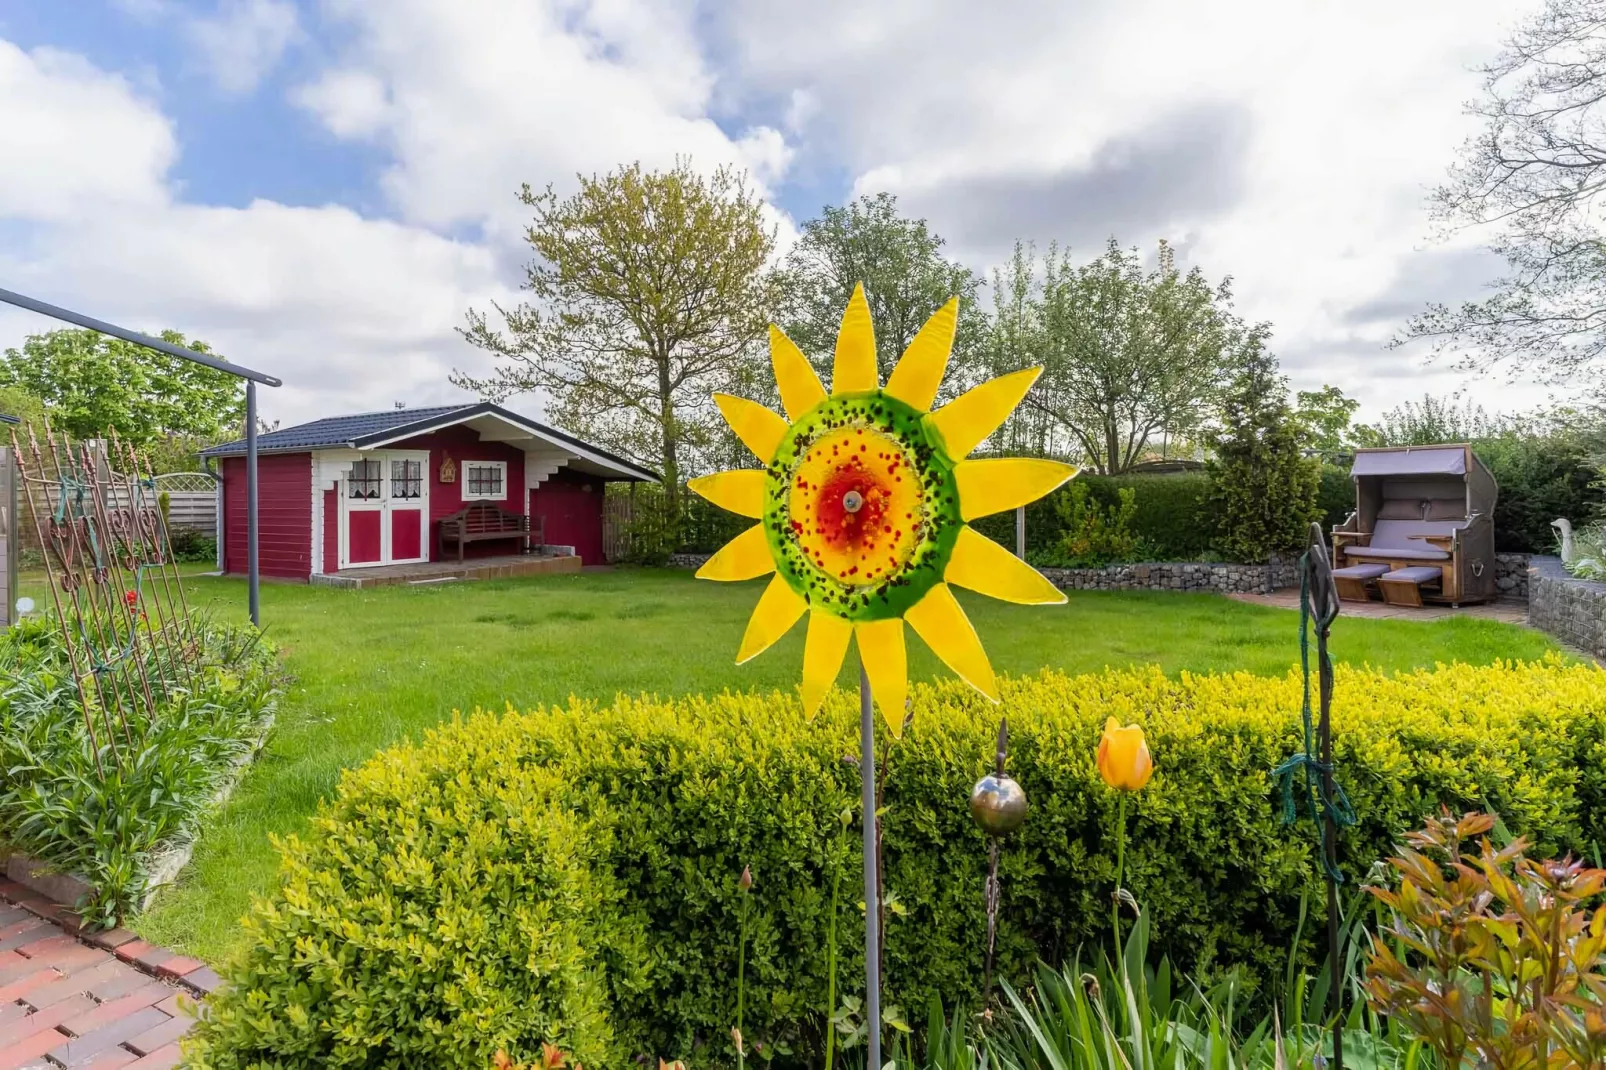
468, 496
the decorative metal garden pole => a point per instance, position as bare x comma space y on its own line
1323, 597
1329, 807
872, 908
998, 806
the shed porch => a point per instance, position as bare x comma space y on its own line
500, 567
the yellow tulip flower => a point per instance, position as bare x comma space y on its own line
1124, 761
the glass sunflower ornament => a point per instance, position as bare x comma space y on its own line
862, 506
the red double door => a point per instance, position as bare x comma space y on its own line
384, 510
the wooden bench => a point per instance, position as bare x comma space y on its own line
482, 521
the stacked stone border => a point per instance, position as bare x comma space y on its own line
1571, 609
1511, 575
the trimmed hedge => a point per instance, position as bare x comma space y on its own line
1172, 518
570, 874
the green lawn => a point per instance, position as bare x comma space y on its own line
371, 667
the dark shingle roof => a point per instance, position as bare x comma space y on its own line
334, 430
367, 429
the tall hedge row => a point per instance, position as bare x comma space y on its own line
1172, 518
571, 874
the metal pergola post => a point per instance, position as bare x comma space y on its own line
251, 500
252, 378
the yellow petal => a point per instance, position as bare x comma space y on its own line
943, 626
823, 652
919, 371
772, 618
980, 564
881, 650
855, 369
759, 429
740, 491
992, 485
800, 387
969, 418
743, 558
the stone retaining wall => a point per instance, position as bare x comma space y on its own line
1154, 576
1571, 609
1175, 576
1511, 575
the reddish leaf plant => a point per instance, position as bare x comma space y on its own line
1497, 959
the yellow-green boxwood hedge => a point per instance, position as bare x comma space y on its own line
570, 874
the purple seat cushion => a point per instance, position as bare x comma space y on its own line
1360, 572
1416, 574
1385, 554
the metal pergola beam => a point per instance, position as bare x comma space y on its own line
252, 378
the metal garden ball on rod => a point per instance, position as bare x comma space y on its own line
252, 378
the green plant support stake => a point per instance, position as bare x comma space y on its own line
1329, 806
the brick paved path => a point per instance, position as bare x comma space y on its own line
92, 1000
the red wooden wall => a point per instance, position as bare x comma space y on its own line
571, 504
284, 514
463, 443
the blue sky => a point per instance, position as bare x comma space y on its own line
325, 188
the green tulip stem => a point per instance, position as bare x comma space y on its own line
1120, 869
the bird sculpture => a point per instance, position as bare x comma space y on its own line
1565, 528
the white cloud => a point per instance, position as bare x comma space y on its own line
1291, 147
1288, 146
74, 135
350, 104
244, 41
352, 313
486, 94
355, 312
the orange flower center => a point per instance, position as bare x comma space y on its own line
855, 505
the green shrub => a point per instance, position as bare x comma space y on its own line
1094, 535
1263, 489
652, 532
190, 545
445, 905
1335, 495
577, 866
58, 807
1170, 519
1541, 478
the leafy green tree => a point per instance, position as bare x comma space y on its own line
1429, 421
1132, 354
1263, 490
90, 383
1327, 415
650, 292
906, 278
15, 401
1533, 177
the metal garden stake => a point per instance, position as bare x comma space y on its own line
998, 806
1329, 806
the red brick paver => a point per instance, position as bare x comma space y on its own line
85, 1000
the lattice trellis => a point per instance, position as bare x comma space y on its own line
114, 587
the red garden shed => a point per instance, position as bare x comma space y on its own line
371, 489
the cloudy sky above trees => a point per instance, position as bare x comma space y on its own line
321, 189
